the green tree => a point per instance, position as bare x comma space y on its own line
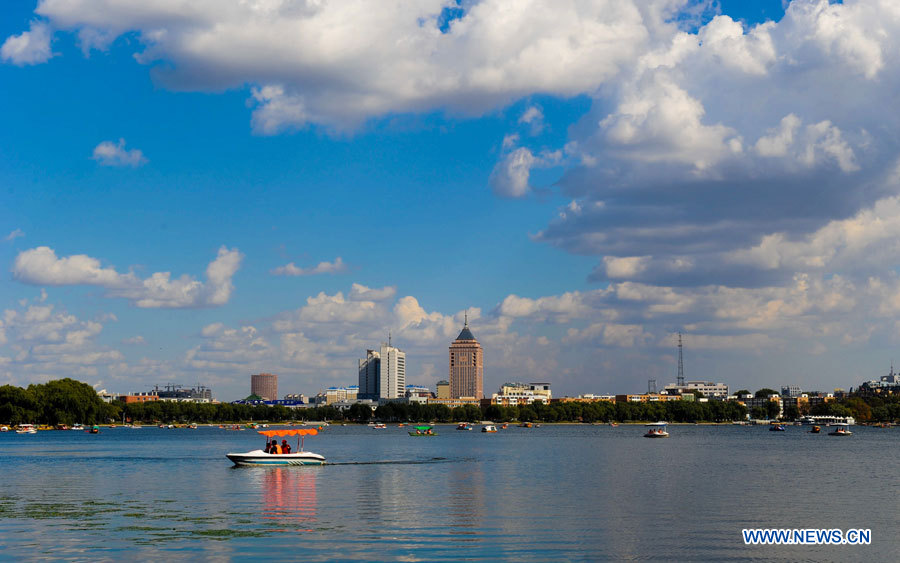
791, 412
765, 392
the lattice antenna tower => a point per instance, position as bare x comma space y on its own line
680, 362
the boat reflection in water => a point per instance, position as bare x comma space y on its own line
289, 498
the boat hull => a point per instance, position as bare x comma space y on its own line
656, 435
261, 458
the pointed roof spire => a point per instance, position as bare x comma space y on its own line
465, 333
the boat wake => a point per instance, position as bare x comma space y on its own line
394, 461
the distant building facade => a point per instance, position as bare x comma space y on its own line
418, 394
337, 394
382, 374
887, 385
708, 388
178, 394
792, 391
512, 394
138, 398
466, 366
264, 385
443, 389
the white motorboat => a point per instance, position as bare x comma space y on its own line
841, 430
488, 428
261, 458
26, 429
657, 430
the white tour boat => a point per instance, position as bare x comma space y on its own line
657, 430
488, 428
841, 430
261, 458
26, 429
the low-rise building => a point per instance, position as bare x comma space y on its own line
336, 394
453, 403
586, 398
512, 394
708, 388
647, 398
137, 398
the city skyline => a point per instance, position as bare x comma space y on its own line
208, 200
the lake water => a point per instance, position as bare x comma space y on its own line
566, 492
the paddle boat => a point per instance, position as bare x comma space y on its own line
261, 458
463, 426
26, 429
657, 430
488, 428
4, 428
815, 430
379, 426
94, 430
777, 428
423, 431
525, 425
841, 430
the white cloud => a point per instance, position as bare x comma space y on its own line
533, 117
134, 340
510, 175
336, 267
41, 266
624, 268
340, 63
359, 292
108, 153
29, 47
14, 234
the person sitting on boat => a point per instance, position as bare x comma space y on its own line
285, 447
275, 449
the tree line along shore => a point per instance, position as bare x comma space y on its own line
67, 401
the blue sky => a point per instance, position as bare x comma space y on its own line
586, 179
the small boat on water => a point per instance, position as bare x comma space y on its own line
526, 425
841, 430
657, 430
261, 458
505, 426
77, 426
379, 426
423, 431
488, 428
815, 430
463, 426
94, 430
4, 428
26, 429
777, 428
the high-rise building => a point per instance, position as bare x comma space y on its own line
369, 367
264, 385
392, 372
466, 365
382, 374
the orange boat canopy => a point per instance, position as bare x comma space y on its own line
298, 432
